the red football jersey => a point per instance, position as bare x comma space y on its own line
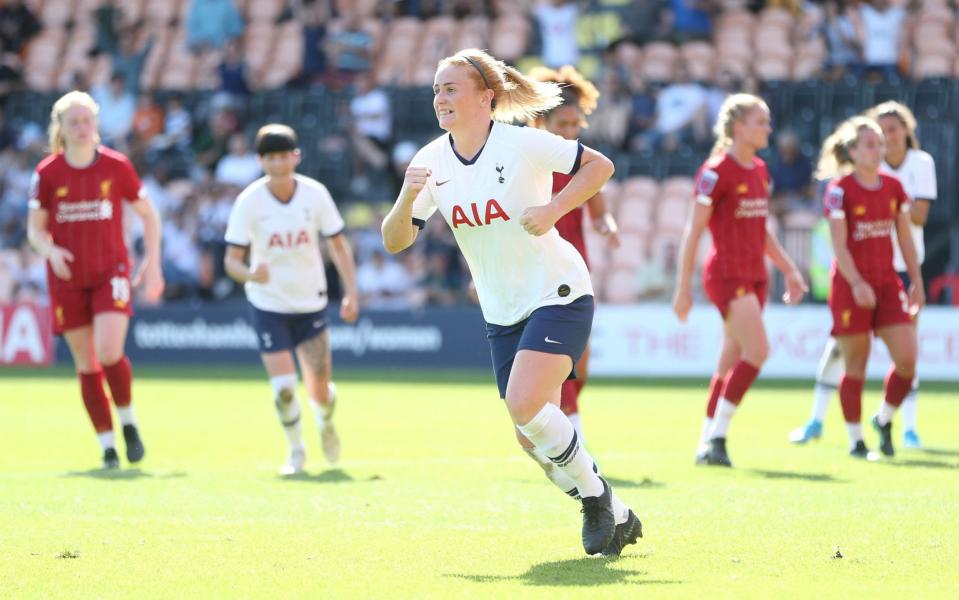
85, 208
740, 200
870, 216
570, 226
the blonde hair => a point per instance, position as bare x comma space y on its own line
901, 112
574, 88
515, 96
734, 108
61, 106
834, 158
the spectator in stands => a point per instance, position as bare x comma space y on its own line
313, 15
609, 123
147, 120
681, 114
181, 255
7, 136
130, 56
845, 52
403, 153
557, 24
791, 175
108, 24
212, 138
350, 50
240, 166
642, 115
645, 21
883, 34
383, 284
177, 124
17, 25
11, 71
724, 84
117, 106
212, 23
233, 75
372, 126
692, 19
437, 287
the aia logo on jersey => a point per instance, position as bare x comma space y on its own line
707, 182
492, 212
288, 239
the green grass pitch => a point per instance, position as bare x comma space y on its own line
433, 499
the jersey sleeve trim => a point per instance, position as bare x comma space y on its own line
237, 245
419, 223
339, 231
837, 213
579, 159
34, 204
704, 200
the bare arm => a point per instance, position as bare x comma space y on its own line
908, 247
235, 265
398, 230
594, 171
603, 221
41, 241
150, 273
795, 284
342, 256
919, 213
683, 296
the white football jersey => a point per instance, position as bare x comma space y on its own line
285, 236
483, 201
918, 176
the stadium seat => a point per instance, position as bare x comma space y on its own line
775, 18
635, 213
179, 68
287, 56
621, 286
509, 36
56, 13
43, 58
162, 12
933, 65
266, 11
677, 187
632, 251
772, 68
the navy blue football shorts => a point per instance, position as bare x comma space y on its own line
276, 332
557, 329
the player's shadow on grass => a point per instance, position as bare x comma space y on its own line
796, 475
645, 483
939, 452
328, 476
124, 474
577, 572
923, 464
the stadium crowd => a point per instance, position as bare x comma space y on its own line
183, 84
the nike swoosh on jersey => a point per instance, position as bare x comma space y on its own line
549, 341
439, 183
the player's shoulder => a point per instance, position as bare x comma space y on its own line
428, 153
311, 185
111, 156
890, 180
920, 157
50, 163
251, 193
759, 163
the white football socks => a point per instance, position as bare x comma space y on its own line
886, 412
288, 409
855, 433
578, 426
553, 435
724, 414
910, 407
126, 415
704, 434
821, 396
106, 439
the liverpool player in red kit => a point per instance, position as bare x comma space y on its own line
76, 223
566, 121
864, 207
732, 199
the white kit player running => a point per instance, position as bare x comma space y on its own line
916, 170
492, 182
279, 219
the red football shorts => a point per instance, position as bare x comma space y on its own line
723, 291
75, 307
892, 307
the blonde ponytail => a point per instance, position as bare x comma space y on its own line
734, 108
901, 112
834, 158
67, 101
515, 96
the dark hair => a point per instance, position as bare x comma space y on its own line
276, 137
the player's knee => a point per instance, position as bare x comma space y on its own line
757, 355
906, 365
108, 355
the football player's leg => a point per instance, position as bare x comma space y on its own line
569, 397
729, 355
282, 372
95, 400
110, 334
855, 350
828, 374
316, 360
744, 324
903, 349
